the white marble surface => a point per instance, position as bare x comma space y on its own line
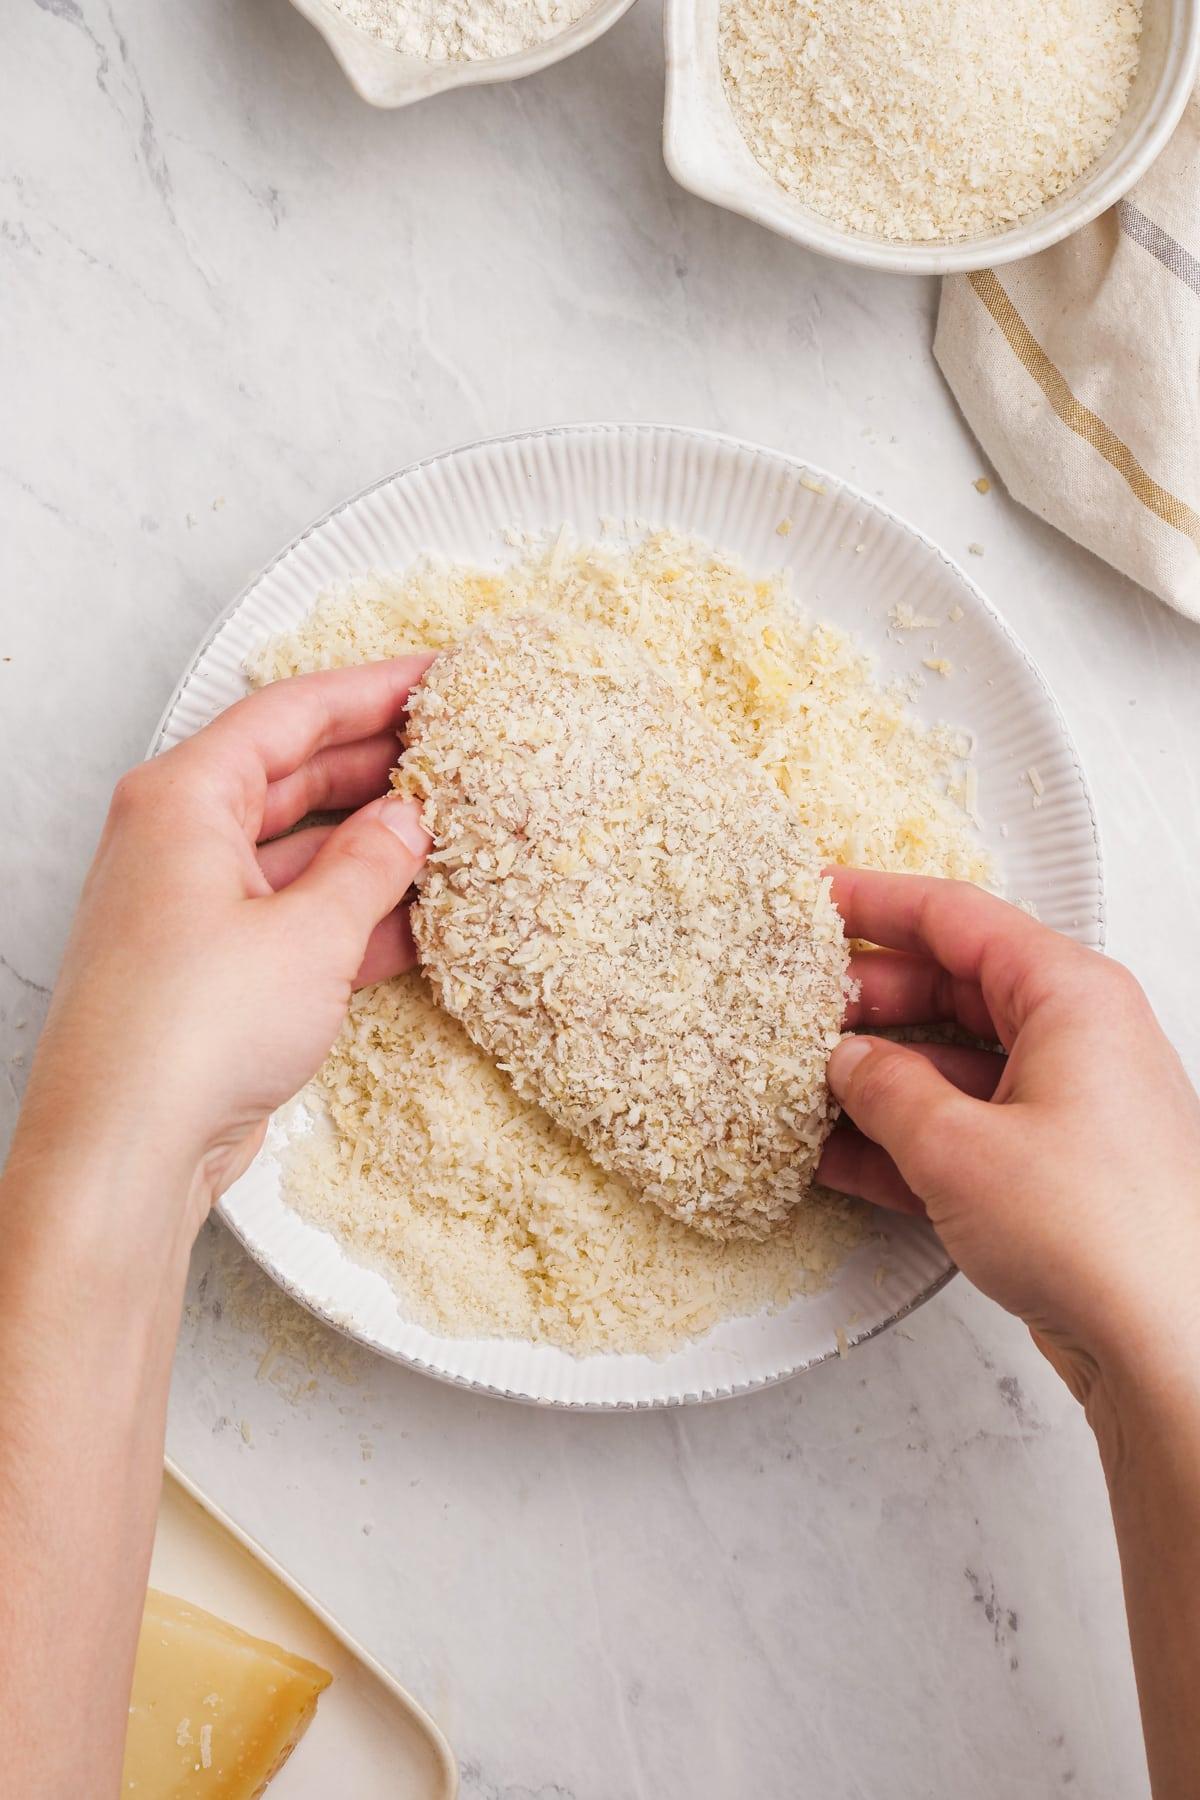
231, 295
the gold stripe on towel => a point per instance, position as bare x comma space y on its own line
1081, 419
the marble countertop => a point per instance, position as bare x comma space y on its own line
232, 295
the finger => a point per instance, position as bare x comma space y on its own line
950, 921
972, 1071
289, 856
361, 872
973, 935
268, 735
900, 1099
894, 989
852, 1164
341, 776
390, 949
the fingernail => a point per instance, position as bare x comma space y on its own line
845, 1059
404, 818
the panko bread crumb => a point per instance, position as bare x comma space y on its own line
627, 915
486, 1217
931, 119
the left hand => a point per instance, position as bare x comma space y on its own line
209, 968
1064, 1177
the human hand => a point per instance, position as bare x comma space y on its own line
208, 970
1065, 1179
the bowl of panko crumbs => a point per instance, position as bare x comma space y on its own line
927, 137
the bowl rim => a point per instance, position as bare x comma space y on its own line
358, 55
799, 465
683, 119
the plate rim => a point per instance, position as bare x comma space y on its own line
797, 466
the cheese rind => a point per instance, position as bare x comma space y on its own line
214, 1712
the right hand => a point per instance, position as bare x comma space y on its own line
1064, 1178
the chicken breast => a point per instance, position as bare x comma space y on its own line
625, 913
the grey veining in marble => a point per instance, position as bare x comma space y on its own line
231, 295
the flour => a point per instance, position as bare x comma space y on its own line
462, 30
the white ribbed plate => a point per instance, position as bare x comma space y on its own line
851, 562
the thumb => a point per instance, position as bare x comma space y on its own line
899, 1100
364, 868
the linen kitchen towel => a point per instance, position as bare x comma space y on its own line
1079, 372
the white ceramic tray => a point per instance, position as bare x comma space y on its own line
370, 1739
851, 561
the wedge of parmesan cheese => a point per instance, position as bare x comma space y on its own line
213, 1712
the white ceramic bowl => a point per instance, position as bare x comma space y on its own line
851, 562
386, 77
706, 152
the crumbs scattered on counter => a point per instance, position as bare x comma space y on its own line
983, 485
298, 1349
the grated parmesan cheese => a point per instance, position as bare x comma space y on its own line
932, 118
297, 1348
903, 618
485, 1216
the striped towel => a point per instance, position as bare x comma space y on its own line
1079, 372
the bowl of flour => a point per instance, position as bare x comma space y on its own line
396, 51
